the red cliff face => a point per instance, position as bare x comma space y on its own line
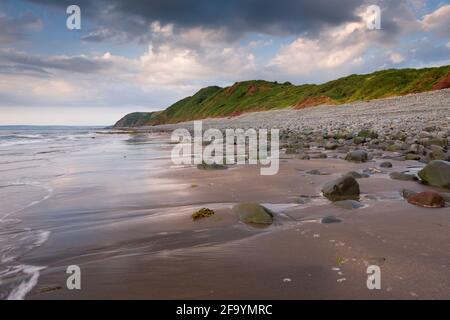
443, 83
314, 101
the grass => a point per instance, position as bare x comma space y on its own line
259, 95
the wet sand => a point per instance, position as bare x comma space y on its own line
148, 247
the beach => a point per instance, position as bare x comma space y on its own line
113, 203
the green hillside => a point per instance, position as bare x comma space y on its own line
258, 95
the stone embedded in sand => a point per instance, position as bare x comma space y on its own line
214, 166
446, 196
436, 173
253, 213
343, 188
406, 193
386, 164
357, 175
303, 200
330, 219
402, 176
317, 172
202, 213
427, 199
303, 157
411, 156
357, 156
348, 204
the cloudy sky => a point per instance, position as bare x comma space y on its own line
135, 55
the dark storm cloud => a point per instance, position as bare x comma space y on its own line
236, 17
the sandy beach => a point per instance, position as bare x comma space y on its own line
134, 237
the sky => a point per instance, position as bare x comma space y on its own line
132, 55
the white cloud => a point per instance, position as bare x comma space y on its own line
396, 57
438, 20
332, 49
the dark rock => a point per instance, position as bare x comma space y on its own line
344, 188
348, 204
357, 156
407, 193
214, 166
303, 200
411, 156
202, 213
357, 175
402, 176
386, 164
330, 219
317, 172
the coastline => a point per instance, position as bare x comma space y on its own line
121, 210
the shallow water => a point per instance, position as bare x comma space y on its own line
62, 180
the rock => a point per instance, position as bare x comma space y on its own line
402, 176
446, 196
411, 156
359, 140
344, 188
368, 134
317, 172
330, 146
407, 193
303, 157
303, 200
436, 173
202, 213
330, 219
435, 153
348, 204
386, 164
319, 155
357, 175
427, 199
357, 156
214, 166
253, 213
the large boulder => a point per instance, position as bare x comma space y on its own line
436, 173
253, 213
357, 156
427, 199
344, 188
